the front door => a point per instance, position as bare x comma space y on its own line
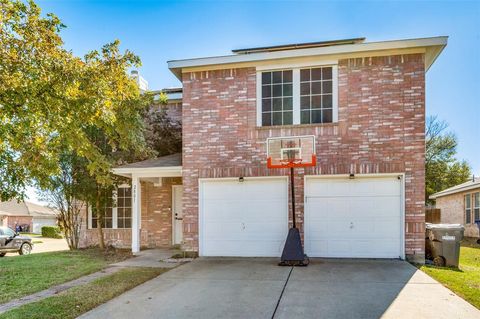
177, 191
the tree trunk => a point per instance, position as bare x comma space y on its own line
101, 241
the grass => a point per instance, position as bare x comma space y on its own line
24, 275
76, 301
464, 281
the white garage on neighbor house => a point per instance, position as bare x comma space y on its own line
358, 217
23, 213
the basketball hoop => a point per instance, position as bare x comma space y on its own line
292, 151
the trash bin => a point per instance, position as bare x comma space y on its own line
442, 243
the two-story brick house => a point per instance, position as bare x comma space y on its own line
365, 105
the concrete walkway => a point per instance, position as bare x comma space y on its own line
258, 288
152, 258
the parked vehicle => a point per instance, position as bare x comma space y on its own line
11, 241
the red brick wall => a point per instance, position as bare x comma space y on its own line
380, 130
12, 221
156, 228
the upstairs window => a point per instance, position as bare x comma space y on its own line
468, 209
306, 95
316, 97
277, 98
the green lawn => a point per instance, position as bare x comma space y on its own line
464, 281
24, 275
76, 301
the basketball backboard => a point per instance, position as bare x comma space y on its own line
291, 151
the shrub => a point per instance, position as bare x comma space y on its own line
51, 232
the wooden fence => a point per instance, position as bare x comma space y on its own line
432, 215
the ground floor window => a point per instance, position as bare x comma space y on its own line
117, 210
476, 206
468, 209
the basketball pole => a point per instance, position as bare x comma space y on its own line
292, 185
293, 254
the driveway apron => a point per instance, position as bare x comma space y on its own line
258, 288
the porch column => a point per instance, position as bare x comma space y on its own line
136, 213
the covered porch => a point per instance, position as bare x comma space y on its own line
161, 178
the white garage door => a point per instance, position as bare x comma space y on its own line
247, 219
359, 217
38, 223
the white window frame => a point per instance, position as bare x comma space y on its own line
114, 210
296, 90
474, 205
468, 208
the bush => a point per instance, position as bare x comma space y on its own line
51, 232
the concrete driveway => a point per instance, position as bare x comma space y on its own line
257, 288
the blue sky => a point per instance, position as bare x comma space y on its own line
161, 31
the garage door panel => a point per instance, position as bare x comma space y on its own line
215, 190
341, 208
264, 210
328, 208
226, 230
353, 218
258, 189
342, 187
234, 210
220, 210
244, 218
264, 229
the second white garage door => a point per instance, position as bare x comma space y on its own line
359, 217
246, 219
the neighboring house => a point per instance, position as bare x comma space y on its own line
460, 204
364, 103
13, 213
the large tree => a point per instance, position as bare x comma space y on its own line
51, 101
63, 193
442, 169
